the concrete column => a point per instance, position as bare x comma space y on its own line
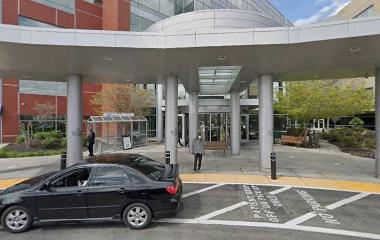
235, 123
171, 117
193, 117
74, 119
159, 115
265, 120
377, 128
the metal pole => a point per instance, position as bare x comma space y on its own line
273, 167
377, 122
63, 161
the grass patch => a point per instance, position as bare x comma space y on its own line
6, 153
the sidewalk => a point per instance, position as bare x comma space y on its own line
322, 168
324, 163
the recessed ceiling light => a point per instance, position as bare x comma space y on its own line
356, 49
107, 58
222, 58
243, 81
315, 76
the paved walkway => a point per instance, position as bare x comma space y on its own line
324, 163
322, 168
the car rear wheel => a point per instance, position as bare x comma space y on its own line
16, 219
137, 216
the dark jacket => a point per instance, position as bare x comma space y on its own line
91, 138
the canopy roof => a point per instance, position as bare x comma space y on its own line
329, 50
117, 119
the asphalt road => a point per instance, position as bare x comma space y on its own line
243, 212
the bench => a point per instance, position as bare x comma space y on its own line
291, 140
220, 145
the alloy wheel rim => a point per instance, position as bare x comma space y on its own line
137, 216
16, 219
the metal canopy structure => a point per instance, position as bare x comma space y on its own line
110, 130
119, 119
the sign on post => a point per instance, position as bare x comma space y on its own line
127, 144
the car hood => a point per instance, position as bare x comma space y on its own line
27, 184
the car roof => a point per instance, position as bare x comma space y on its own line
115, 158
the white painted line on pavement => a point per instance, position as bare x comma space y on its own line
333, 206
347, 201
301, 219
283, 185
201, 190
275, 226
280, 190
223, 210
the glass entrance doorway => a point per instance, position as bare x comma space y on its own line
214, 126
244, 127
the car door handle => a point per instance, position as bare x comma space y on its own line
79, 193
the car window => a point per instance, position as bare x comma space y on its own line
74, 178
148, 167
109, 176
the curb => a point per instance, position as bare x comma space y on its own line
333, 184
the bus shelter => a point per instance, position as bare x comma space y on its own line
110, 131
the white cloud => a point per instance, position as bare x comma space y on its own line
331, 9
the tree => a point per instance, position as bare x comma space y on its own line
45, 111
310, 100
123, 98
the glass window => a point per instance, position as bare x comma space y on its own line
167, 7
64, 5
43, 87
75, 178
24, 21
148, 167
109, 176
370, 11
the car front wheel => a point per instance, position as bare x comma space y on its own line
16, 219
137, 216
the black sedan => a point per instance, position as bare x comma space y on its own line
127, 187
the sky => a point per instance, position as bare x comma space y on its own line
301, 12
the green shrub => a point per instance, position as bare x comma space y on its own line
51, 139
64, 143
50, 142
4, 153
356, 122
20, 139
351, 137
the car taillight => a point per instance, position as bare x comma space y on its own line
172, 190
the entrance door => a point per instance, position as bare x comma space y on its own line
181, 127
214, 126
244, 128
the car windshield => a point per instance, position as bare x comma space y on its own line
28, 183
148, 167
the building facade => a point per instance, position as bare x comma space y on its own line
24, 100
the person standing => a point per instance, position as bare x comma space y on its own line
91, 142
198, 150
179, 138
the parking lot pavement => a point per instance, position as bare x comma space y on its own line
239, 211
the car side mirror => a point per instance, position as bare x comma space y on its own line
45, 187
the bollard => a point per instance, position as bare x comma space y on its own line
167, 157
273, 166
63, 161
